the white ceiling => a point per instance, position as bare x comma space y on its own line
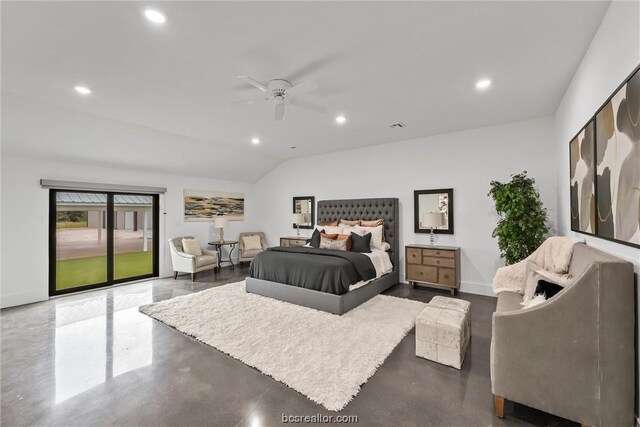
162, 94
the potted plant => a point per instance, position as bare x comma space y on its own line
523, 219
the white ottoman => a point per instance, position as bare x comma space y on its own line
443, 330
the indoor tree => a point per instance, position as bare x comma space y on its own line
523, 219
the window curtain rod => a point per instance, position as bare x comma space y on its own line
93, 186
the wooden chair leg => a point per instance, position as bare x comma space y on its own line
175, 275
193, 277
498, 402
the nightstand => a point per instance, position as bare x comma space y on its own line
293, 241
437, 266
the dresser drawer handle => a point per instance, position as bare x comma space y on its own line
421, 273
437, 252
446, 276
438, 262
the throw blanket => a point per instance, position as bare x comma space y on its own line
553, 255
325, 270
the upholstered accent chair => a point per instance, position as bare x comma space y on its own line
247, 255
187, 263
573, 355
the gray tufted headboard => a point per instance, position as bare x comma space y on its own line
367, 209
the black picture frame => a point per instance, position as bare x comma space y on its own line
312, 199
416, 210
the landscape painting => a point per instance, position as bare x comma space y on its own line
205, 205
618, 165
582, 172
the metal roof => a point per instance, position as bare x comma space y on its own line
101, 199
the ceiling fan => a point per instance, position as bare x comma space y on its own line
281, 92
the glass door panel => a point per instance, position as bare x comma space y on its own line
133, 226
80, 240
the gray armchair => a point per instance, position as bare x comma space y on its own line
186, 263
573, 355
247, 255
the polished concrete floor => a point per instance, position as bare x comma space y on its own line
92, 359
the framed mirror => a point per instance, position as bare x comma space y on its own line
305, 205
433, 201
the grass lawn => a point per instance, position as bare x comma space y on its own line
79, 224
86, 271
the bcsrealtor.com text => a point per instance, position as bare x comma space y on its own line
319, 419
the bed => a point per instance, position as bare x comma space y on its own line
339, 300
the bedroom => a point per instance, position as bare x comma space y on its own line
162, 113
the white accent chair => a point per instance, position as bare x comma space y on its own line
247, 255
186, 263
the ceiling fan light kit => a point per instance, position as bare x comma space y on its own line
280, 92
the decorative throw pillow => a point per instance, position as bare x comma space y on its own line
191, 247
330, 229
349, 223
314, 242
328, 223
339, 245
374, 223
361, 244
252, 243
537, 299
548, 289
346, 237
376, 236
331, 236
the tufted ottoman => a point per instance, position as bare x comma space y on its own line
443, 330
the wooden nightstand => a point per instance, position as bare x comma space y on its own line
293, 241
437, 266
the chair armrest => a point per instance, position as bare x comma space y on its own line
184, 255
546, 356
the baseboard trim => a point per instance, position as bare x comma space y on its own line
22, 298
472, 288
477, 288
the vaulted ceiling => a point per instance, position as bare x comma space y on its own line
162, 95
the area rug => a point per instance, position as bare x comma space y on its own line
321, 355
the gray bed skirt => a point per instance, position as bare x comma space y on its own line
336, 304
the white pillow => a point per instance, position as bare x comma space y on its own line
252, 243
191, 247
376, 235
537, 299
328, 229
348, 230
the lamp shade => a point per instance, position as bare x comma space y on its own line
432, 220
297, 218
220, 222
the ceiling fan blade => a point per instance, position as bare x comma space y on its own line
279, 112
308, 106
255, 83
249, 101
304, 87
313, 67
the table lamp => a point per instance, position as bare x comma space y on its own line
221, 222
432, 220
298, 219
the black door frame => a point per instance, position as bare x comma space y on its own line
110, 214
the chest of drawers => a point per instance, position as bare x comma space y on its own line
437, 266
293, 241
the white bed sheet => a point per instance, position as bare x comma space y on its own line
381, 262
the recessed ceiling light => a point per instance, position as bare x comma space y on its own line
83, 90
255, 140
483, 84
155, 16
341, 119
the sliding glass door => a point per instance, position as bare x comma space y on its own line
100, 238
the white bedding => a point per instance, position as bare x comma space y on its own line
382, 264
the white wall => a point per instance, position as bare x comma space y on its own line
25, 210
466, 161
612, 56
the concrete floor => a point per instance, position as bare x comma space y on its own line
93, 359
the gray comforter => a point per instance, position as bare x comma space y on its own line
325, 270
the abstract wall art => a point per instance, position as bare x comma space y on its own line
582, 170
205, 205
618, 165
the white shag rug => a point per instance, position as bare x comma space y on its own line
321, 355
